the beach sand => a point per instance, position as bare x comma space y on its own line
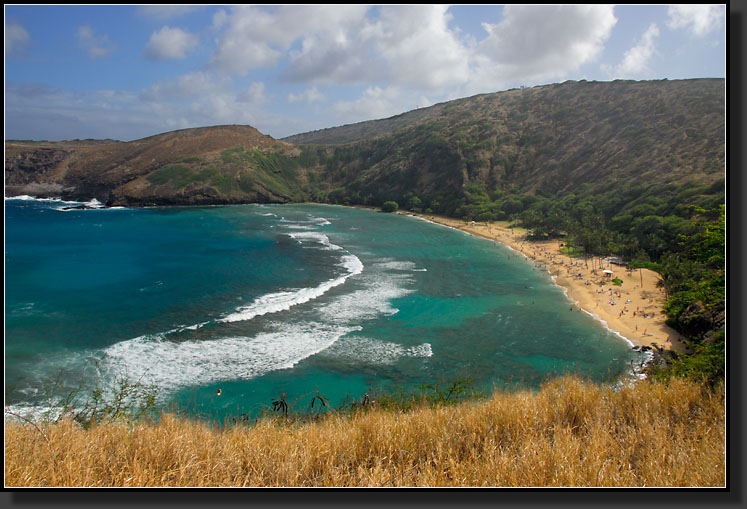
637, 310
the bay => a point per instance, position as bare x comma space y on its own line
260, 300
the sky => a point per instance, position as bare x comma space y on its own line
128, 72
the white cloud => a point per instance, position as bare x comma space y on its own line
249, 41
254, 37
190, 86
170, 43
419, 48
220, 19
310, 95
375, 102
207, 98
406, 45
17, 39
699, 19
336, 46
97, 46
409, 46
540, 42
636, 59
255, 94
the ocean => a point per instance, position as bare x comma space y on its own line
261, 300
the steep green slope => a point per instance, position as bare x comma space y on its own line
545, 141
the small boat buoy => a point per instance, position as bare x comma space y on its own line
219, 391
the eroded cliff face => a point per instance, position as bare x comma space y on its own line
43, 169
33, 171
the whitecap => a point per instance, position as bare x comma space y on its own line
399, 265
284, 300
172, 365
403, 265
372, 351
314, 238
295, 226
374, 299
313, 221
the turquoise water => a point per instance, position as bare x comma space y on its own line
259, 300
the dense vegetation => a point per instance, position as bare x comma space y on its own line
693, 274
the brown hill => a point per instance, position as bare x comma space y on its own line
199, 164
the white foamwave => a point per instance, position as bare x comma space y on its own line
314, 238
25, 197
309, 221
292, 226
371, 351
93, 203
170, 365
282, 301
374, 299
403, 265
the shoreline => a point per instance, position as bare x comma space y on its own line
636, 314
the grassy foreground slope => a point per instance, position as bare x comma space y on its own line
569, 433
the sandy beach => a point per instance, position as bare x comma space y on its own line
632, 309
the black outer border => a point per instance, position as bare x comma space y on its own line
732, 495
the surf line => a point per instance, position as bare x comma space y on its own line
282, 301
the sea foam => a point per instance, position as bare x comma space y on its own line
169, 365
362, 350
283, 301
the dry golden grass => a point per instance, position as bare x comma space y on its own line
570, 433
